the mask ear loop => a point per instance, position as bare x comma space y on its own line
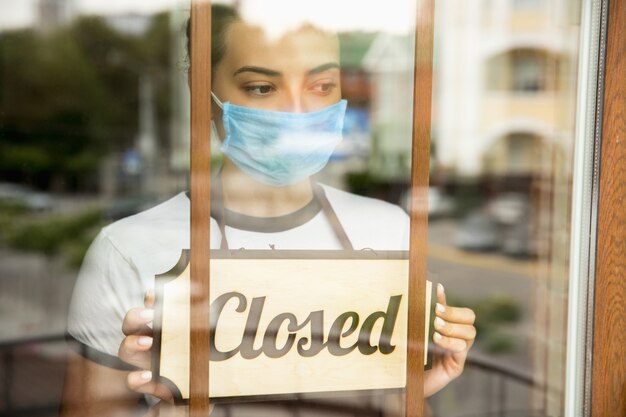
214, 132
217, 100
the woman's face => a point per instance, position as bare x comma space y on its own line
297, 72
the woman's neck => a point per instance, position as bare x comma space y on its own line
244, 195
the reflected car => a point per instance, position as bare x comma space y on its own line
520, 240
478, 232
509, 208
439, 204
20, 195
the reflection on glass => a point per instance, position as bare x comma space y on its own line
87, 122
503, 140
94, 129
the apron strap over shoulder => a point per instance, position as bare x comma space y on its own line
217, 211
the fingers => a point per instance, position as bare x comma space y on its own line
459, 331
137, 321
141, 381
148, 299
450, 343
454, 326
441, 294
460, 315
135, 350
136, 346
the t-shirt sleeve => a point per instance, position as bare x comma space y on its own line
108, 285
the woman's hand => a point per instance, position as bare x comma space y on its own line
135, 349
453, 337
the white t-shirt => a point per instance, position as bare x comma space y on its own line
123, 260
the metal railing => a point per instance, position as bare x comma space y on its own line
16, 390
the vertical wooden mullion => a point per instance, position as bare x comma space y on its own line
420, 163
200, 185
609, 339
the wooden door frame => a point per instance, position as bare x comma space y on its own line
200, 225
420, 171
608, 393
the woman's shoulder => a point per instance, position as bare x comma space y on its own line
358, 204
153, 235
370, 222
164, 214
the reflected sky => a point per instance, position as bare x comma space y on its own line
344, 15
335, 15
23, 12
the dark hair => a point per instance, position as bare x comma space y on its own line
222, 17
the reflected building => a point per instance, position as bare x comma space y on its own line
503, 118
503, 87
54, 13
504, 94
132, 24
389, 61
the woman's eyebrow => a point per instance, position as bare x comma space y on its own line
273, 73
258, 70
322, 68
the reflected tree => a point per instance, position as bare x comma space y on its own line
70, 97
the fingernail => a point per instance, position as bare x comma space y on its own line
437, 336
441, 308
439, 322
440, 288
147, 314
144, 341
146, 375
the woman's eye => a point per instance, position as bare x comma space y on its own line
259, 90
324, 88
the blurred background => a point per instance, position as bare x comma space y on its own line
94, 120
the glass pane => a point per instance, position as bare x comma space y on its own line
312, 159
94, 153
95, 139
92, 131
503, 141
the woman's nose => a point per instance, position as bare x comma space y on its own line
294, 102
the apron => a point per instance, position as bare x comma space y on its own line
217, 212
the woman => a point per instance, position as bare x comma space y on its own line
278, 111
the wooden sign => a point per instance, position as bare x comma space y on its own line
301, 322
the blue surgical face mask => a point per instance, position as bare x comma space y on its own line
280, 148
